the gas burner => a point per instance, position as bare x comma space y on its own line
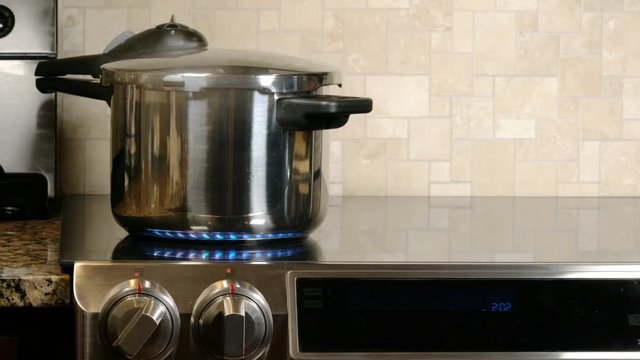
220, 236
150, 248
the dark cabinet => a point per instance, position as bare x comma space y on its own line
36, 333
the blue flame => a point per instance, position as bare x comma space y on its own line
222, 255
229, 236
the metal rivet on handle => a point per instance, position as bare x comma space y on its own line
173, 81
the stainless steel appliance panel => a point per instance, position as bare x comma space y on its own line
34, 31
28, 118
27, 122
185, 282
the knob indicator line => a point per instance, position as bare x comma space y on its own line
231, 320
139, 325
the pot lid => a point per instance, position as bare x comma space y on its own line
222, 68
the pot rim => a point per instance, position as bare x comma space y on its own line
222, 68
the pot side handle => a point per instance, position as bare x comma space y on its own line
79, 65
84, 88
319, 112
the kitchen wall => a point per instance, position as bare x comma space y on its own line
471, 97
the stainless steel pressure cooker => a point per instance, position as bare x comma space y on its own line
216, 144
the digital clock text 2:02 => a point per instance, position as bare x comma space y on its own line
501, 307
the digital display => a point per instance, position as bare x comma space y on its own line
434, 296
441, 315
501, 307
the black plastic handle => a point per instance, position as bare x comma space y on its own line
84, 88
319, 112
79, 65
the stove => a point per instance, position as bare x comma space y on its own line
382, 278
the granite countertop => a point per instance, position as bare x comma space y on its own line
30, 274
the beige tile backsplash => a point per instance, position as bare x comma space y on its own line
471, 97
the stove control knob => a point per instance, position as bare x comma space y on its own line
232, 320
140, 320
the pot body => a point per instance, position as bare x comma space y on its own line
213, 161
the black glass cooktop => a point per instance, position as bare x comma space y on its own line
390, 229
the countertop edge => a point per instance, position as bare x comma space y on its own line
35, 291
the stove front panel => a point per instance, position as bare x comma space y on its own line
360, 311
